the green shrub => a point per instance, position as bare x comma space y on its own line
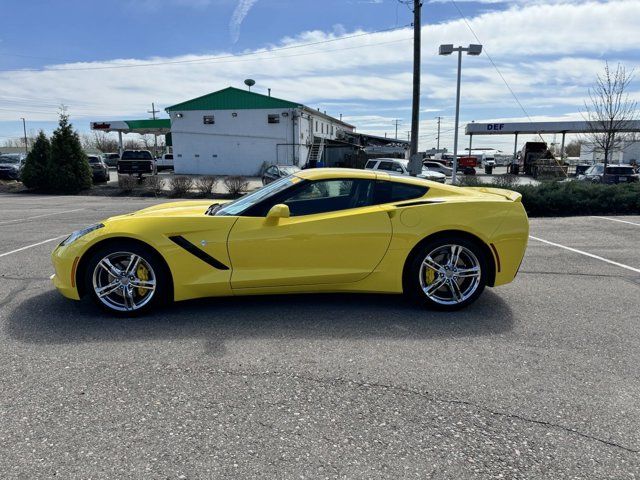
35, 173
565, 199
69, 170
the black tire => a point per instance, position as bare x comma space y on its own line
162, 294
414, 274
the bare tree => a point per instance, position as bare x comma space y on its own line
105, 142
609, 110
572, 149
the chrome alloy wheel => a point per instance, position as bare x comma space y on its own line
124, 281
450, 274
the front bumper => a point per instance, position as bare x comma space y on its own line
9, 174
65, 265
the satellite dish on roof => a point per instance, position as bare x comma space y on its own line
249, 83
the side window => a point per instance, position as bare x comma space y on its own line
273, 118
370, 164
330, 196
388, 192
386, 166
397, 167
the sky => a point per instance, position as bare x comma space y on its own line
111, 60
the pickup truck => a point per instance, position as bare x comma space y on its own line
137, 162
165, 162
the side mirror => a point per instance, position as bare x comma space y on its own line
277, 212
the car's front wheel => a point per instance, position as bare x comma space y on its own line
126, 278
447, 273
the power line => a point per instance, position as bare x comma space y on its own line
232, 56
513, 94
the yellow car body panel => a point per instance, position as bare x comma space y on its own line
360, 249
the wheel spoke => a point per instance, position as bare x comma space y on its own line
109, 267
147, 284
455, 290
127, 295
439, 282
455, 255
432, 264
468, 272
134, 261
108, 289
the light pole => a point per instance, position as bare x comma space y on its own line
24, 129
448, 49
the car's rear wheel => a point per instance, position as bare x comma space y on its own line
447, 273
126, 278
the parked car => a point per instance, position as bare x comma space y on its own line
137, 162
274, 172
111, 159
401, 167
319, 230
615, 174
99, 169
437, 167
11, 165
165, 162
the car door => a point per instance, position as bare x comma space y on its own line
334, 235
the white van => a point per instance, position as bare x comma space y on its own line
401, 167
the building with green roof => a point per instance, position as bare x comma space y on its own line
237, 132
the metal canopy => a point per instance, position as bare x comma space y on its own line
540, 128
143, 127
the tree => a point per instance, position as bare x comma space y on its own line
572, 149
105, 142
35, 173
70, 171
609, 110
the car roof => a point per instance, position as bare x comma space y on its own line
329, 173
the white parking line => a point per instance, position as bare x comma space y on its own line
587, 254
40, 216
31, 246
618, 220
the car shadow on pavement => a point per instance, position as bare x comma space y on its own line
50, 319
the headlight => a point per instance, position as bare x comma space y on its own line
80, 233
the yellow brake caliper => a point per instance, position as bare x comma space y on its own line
430, 276
143, 274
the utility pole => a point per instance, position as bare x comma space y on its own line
153, 112
415, 164
438, 137
397, 122
24, 129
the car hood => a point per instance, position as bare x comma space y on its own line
432, 174
185, 208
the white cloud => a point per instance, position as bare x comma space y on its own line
548, 53
239, 14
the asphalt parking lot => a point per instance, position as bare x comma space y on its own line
538, 379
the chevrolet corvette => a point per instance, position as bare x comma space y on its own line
318, 230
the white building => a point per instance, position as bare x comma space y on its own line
236, 132
627, 152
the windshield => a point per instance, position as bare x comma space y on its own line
9, 159
94, 160
241, 204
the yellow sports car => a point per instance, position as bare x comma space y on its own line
319, 230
